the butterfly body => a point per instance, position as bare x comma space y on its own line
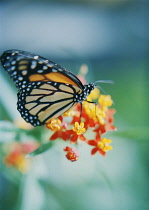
46, 90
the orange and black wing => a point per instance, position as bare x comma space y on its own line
39, 102
24, 67
46, 90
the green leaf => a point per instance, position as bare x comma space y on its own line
41, 149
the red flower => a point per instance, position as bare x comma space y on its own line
100, 129
77, 131
75, 119
108, 125
95, 117
109, 120
74, 137
72, 153
16, 156
60, 134
100, 145
59, 129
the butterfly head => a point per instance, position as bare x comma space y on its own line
89, 87
79, 97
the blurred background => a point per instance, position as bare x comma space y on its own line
111, 38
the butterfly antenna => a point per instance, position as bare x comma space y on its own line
100, 88
105, 81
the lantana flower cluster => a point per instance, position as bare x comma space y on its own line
93, 118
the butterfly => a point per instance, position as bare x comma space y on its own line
45, 89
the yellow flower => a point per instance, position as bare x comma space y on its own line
22, 163
103, 144
100, 114
79, 129
93, 95
105, 100
90, 109
17, 159
54, 125
94, 112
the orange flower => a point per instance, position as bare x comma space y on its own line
18, 160
94, 117
72, 153
17, 156
74, 137
59, 129
54, 124
108, 124
101, 145
60, 134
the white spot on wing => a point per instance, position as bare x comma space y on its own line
14, 73
40, 62
13, 62
50, 65
54, 70
12, 68
24, 72
36, 57
45, 67
20, 78
33, 65
40, 71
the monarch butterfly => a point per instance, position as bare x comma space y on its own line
46, 90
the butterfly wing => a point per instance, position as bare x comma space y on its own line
38, 102
46, 90
24, 67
